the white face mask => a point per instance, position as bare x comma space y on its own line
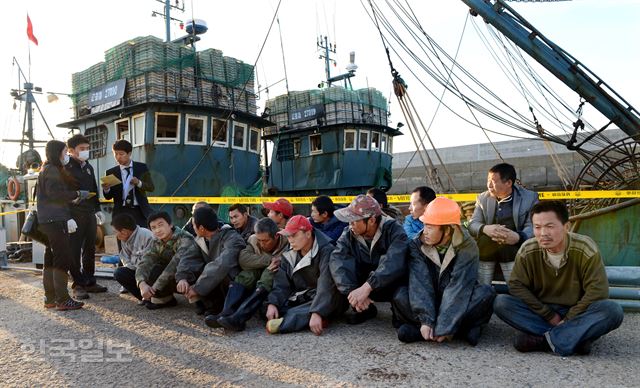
65, 160
83, 155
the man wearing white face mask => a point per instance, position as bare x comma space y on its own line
86, 213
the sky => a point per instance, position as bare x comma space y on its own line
74, 34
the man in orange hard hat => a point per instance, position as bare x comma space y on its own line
443, 298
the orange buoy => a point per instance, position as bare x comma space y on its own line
13, 188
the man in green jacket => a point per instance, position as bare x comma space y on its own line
155, 275
558, 288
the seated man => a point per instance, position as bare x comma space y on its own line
205, 277
558, 288
155, 274
420, 198
280, 211
387, 209
242, 221
304, 295
369, 262
188, 226
443, 298
135, 241
322, 218
501, 221
259, 262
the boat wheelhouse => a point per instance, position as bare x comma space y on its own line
332, 141
190, 116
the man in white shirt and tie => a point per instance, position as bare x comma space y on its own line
129, 196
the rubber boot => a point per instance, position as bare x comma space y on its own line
231, 301
237, 320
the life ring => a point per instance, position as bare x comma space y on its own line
13, 188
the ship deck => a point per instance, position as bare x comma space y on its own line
174, 347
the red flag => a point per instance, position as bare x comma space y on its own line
30, 31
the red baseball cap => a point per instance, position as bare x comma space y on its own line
281, 205
296, 224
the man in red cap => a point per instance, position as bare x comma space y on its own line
443, 298
302, 287
280, 211
369, 261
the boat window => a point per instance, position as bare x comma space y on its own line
375, 141
297, 146
383, 144
195, 130
219, 133
122, 129
167, 127
390, 145
349, 139
138, 130
97, 141
364, 140
239, 134
254, 140
315, 143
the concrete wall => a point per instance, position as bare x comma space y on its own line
468, 165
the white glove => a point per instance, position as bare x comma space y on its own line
72, 226
100, 219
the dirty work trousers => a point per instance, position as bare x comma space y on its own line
600, 318
491, 253
296, 317
127, 279
478, 311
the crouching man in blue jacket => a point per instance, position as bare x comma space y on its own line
369, 262
444, 298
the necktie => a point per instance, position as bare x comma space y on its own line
129, 199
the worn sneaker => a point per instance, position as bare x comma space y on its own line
473, 335
123, 290
78, 292
584, 348
356, 318
409, 333
273, 325
69, 304
200, 307
95, 288
155, 306
211, 320
531, 343
49, 305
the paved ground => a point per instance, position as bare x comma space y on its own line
173, 347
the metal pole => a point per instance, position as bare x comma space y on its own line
28, 87
167, 20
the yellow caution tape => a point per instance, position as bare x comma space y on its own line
392, 198
14, 212
395, 198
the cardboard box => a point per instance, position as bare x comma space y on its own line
111, 245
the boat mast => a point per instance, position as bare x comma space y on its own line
167, 16
326, 55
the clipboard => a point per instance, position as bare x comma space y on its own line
110, 180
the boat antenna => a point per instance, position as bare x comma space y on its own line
167, 15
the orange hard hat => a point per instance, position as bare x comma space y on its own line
441, 211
